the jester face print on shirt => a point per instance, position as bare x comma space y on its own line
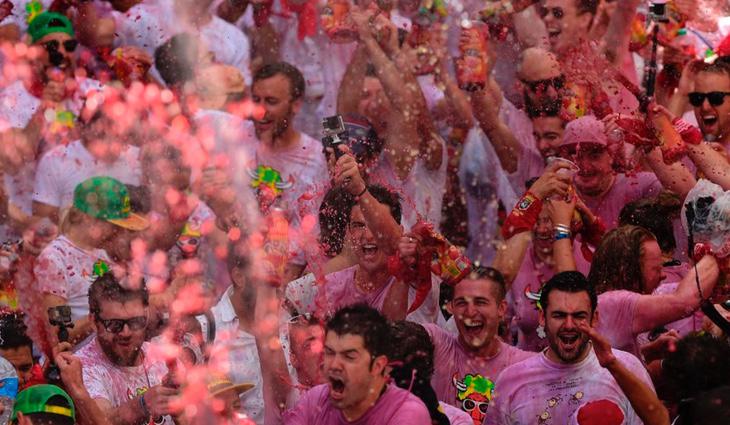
269, 185
474, 392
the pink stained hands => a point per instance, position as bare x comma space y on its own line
601, 346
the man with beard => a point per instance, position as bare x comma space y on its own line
467, 364
357, 388
125, 383
569, 382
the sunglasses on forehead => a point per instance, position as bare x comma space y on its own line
557, 12
542, 85
716, 98
117, 325
54, 45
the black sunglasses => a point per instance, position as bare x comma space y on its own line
117, 325
557, 12
54, 45
716, 98
542, 85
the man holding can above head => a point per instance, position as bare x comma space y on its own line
99, 230
603, 189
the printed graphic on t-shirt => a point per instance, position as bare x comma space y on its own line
594, 412
269, 184
474, 392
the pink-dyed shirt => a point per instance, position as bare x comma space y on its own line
395, 407
340, 290
65, 270
117, 384
464, 380
617, 310
624, 190
540, 391
525, 291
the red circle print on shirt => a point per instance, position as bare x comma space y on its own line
600, 412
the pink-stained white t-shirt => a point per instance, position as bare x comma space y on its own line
464, 380
339, 290
456, 416
395, 407
625, 189
525, 291
62, 168
540, 391
117, 384
616, 311
150, 24
65, 270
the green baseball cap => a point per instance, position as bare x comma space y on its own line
37, 399
49, 23
107, 199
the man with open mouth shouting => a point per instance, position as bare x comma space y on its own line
569, 382
355, 366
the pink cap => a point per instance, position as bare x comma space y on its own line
587, 129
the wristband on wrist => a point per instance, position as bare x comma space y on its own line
365, 189
561, 232
143, 406
523, 216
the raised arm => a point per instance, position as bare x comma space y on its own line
653, 311
377, 215
486, 105
643, 399
713, 164
350, 91
616, 39
517, 228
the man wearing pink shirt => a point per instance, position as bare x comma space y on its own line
568, 383
357, 389
604, 190
467, 364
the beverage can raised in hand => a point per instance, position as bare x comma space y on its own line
472, 66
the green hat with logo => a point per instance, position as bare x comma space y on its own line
43, 398
46, 23
107, 199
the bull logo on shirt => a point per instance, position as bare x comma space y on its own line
474, 392
269, 178
534, 297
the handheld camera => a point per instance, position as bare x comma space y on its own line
334, 133
61, 316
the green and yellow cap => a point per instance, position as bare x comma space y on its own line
45, 23
43, 398
107, 199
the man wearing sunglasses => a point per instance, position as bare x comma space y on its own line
124, 382
27, 103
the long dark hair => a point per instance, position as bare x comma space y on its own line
617, 261
411, 356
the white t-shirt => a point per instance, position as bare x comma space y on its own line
65, 270
17, 107
485, 184
234, 353
148, 25
539, 390
62, 168
19, 15
117, 384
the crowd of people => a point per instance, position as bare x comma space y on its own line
365, 212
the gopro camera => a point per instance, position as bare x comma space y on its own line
335, 133
61, 316
658, 10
